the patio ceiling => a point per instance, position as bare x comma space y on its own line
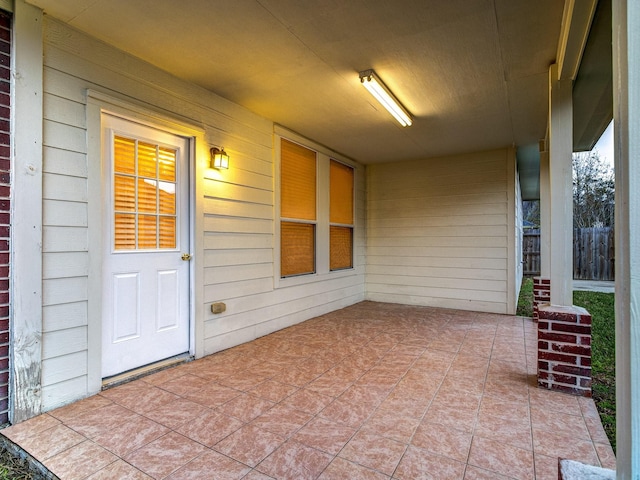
474, 73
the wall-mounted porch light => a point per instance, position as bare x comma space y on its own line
219, 158
379, 90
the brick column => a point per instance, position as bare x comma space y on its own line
5, 210
564, 349
541, 294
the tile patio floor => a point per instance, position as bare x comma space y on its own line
373, 391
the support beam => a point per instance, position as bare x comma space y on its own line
26, 254
545, 215
626, 115
561, 188
576, 23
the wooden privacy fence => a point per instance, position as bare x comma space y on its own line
531, 252
593, 253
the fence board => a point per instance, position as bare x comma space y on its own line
531, 252
593, 253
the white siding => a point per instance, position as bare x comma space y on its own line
236, 238
437, 232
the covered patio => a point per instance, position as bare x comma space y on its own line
373, 390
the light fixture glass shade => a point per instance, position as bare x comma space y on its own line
379, 90
219, 159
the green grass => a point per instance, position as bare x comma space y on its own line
603, 349
603, 355
525, 301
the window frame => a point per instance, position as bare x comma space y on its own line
351, 225
322, 239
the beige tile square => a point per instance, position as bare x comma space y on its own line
418, 464
373, 451
119, 470
213, 395
341, 469
176, 413
71, 411
165, 455
139, 396
210, 428
52, 441
184, 384
225, 468
95, 421
325, 435
443, 440
295, 461
555, 445
80, 461
131, 435
501, 458
282, 420
273, 391
246, 407
308, 401
249, 445
33, 426
475, 473
559, 423
513, 431
391, 425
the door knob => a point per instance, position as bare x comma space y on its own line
186, 257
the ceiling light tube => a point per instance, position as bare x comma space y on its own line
379, 90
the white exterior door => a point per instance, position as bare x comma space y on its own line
146, 244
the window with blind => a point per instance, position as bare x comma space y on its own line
144, 184
297, 210
340, 216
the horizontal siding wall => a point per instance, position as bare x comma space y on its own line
237, 212
437, 232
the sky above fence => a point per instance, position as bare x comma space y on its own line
604, 146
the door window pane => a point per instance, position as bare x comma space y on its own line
144, 193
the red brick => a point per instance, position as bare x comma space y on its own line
585, 320
572, 390
570, 369
569, 328
559, 316
584, 340
557, 337
558, 357
543, 365
573, 349
585, 361
585, 382
565, 379
542, 345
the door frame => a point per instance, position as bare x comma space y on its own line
97, 105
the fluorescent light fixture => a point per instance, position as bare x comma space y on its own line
379, 90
